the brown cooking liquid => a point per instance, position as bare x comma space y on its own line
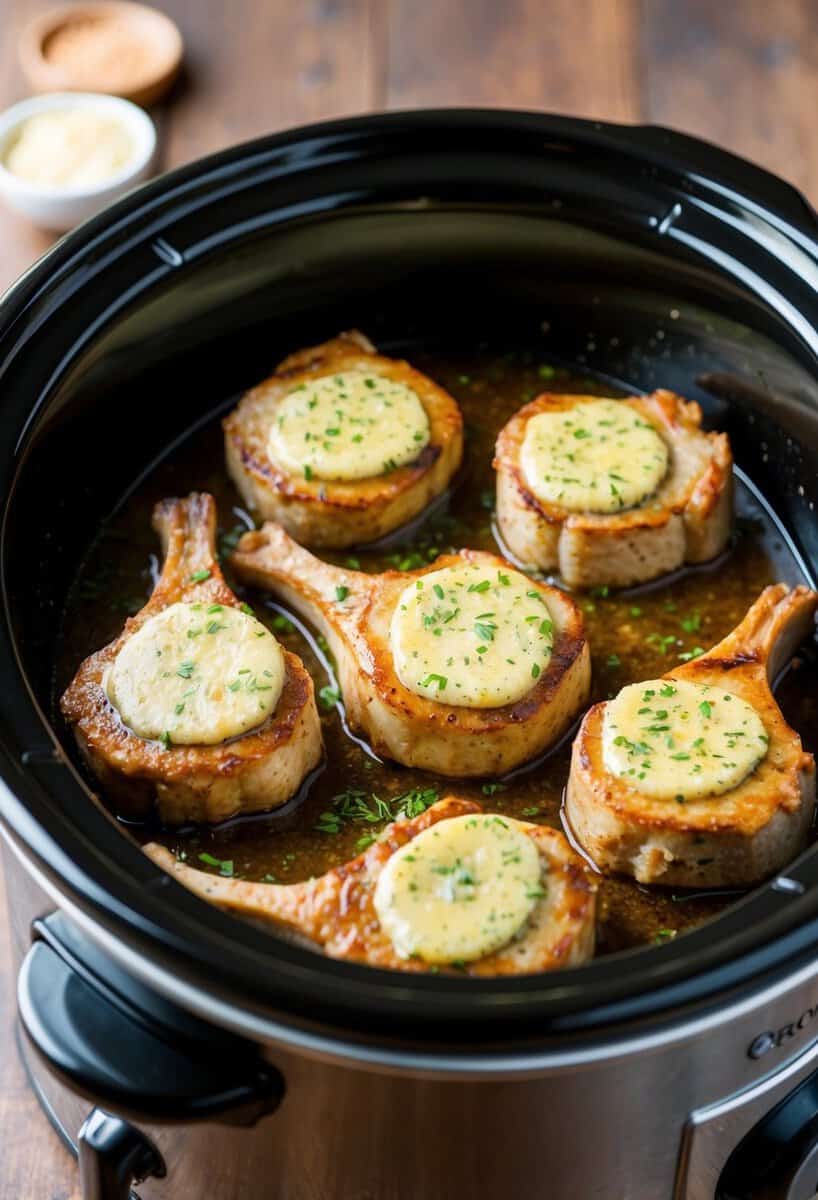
635, 635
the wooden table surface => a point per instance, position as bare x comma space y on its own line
742, 73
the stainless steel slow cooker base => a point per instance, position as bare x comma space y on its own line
663, 1114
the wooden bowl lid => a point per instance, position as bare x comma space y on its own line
115, 46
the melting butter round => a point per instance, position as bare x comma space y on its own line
471, 636
597, 457
460, 890
674, 739
197, 674
354, 425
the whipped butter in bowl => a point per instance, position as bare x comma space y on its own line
65, 156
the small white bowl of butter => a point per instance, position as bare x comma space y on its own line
66, 155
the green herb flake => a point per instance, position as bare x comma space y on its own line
440, 680
489, 789
329, 696
225, 865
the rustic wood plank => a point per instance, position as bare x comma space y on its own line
278, 64
744, 76
34, 1162
566, 56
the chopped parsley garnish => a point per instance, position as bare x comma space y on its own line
440, 680
329, 696
358, 807
225, 865
200, 576
329, 822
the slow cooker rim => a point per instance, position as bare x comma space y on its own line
791, 213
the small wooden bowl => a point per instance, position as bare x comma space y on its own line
115, 46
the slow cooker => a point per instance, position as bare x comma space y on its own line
184, 1053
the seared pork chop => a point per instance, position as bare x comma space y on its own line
194, 709
696, 780
342, 445
343, 912
612, 492
465, 667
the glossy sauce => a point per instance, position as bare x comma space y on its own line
633, 635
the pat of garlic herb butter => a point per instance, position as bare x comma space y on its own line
353, 425
601, 456
196, 674
472, 635
678, 740
460, 890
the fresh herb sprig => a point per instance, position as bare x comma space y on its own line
356, 806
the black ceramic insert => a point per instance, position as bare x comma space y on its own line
636, 252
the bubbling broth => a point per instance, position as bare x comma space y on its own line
634, 635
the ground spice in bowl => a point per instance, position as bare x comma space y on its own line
117, 47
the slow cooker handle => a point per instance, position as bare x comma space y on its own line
113, 1156
135, 1056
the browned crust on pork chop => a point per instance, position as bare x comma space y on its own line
336, 913
331, 512
254, 772
688, 520
735, 838
412, 729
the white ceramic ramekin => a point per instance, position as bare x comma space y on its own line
59, 208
